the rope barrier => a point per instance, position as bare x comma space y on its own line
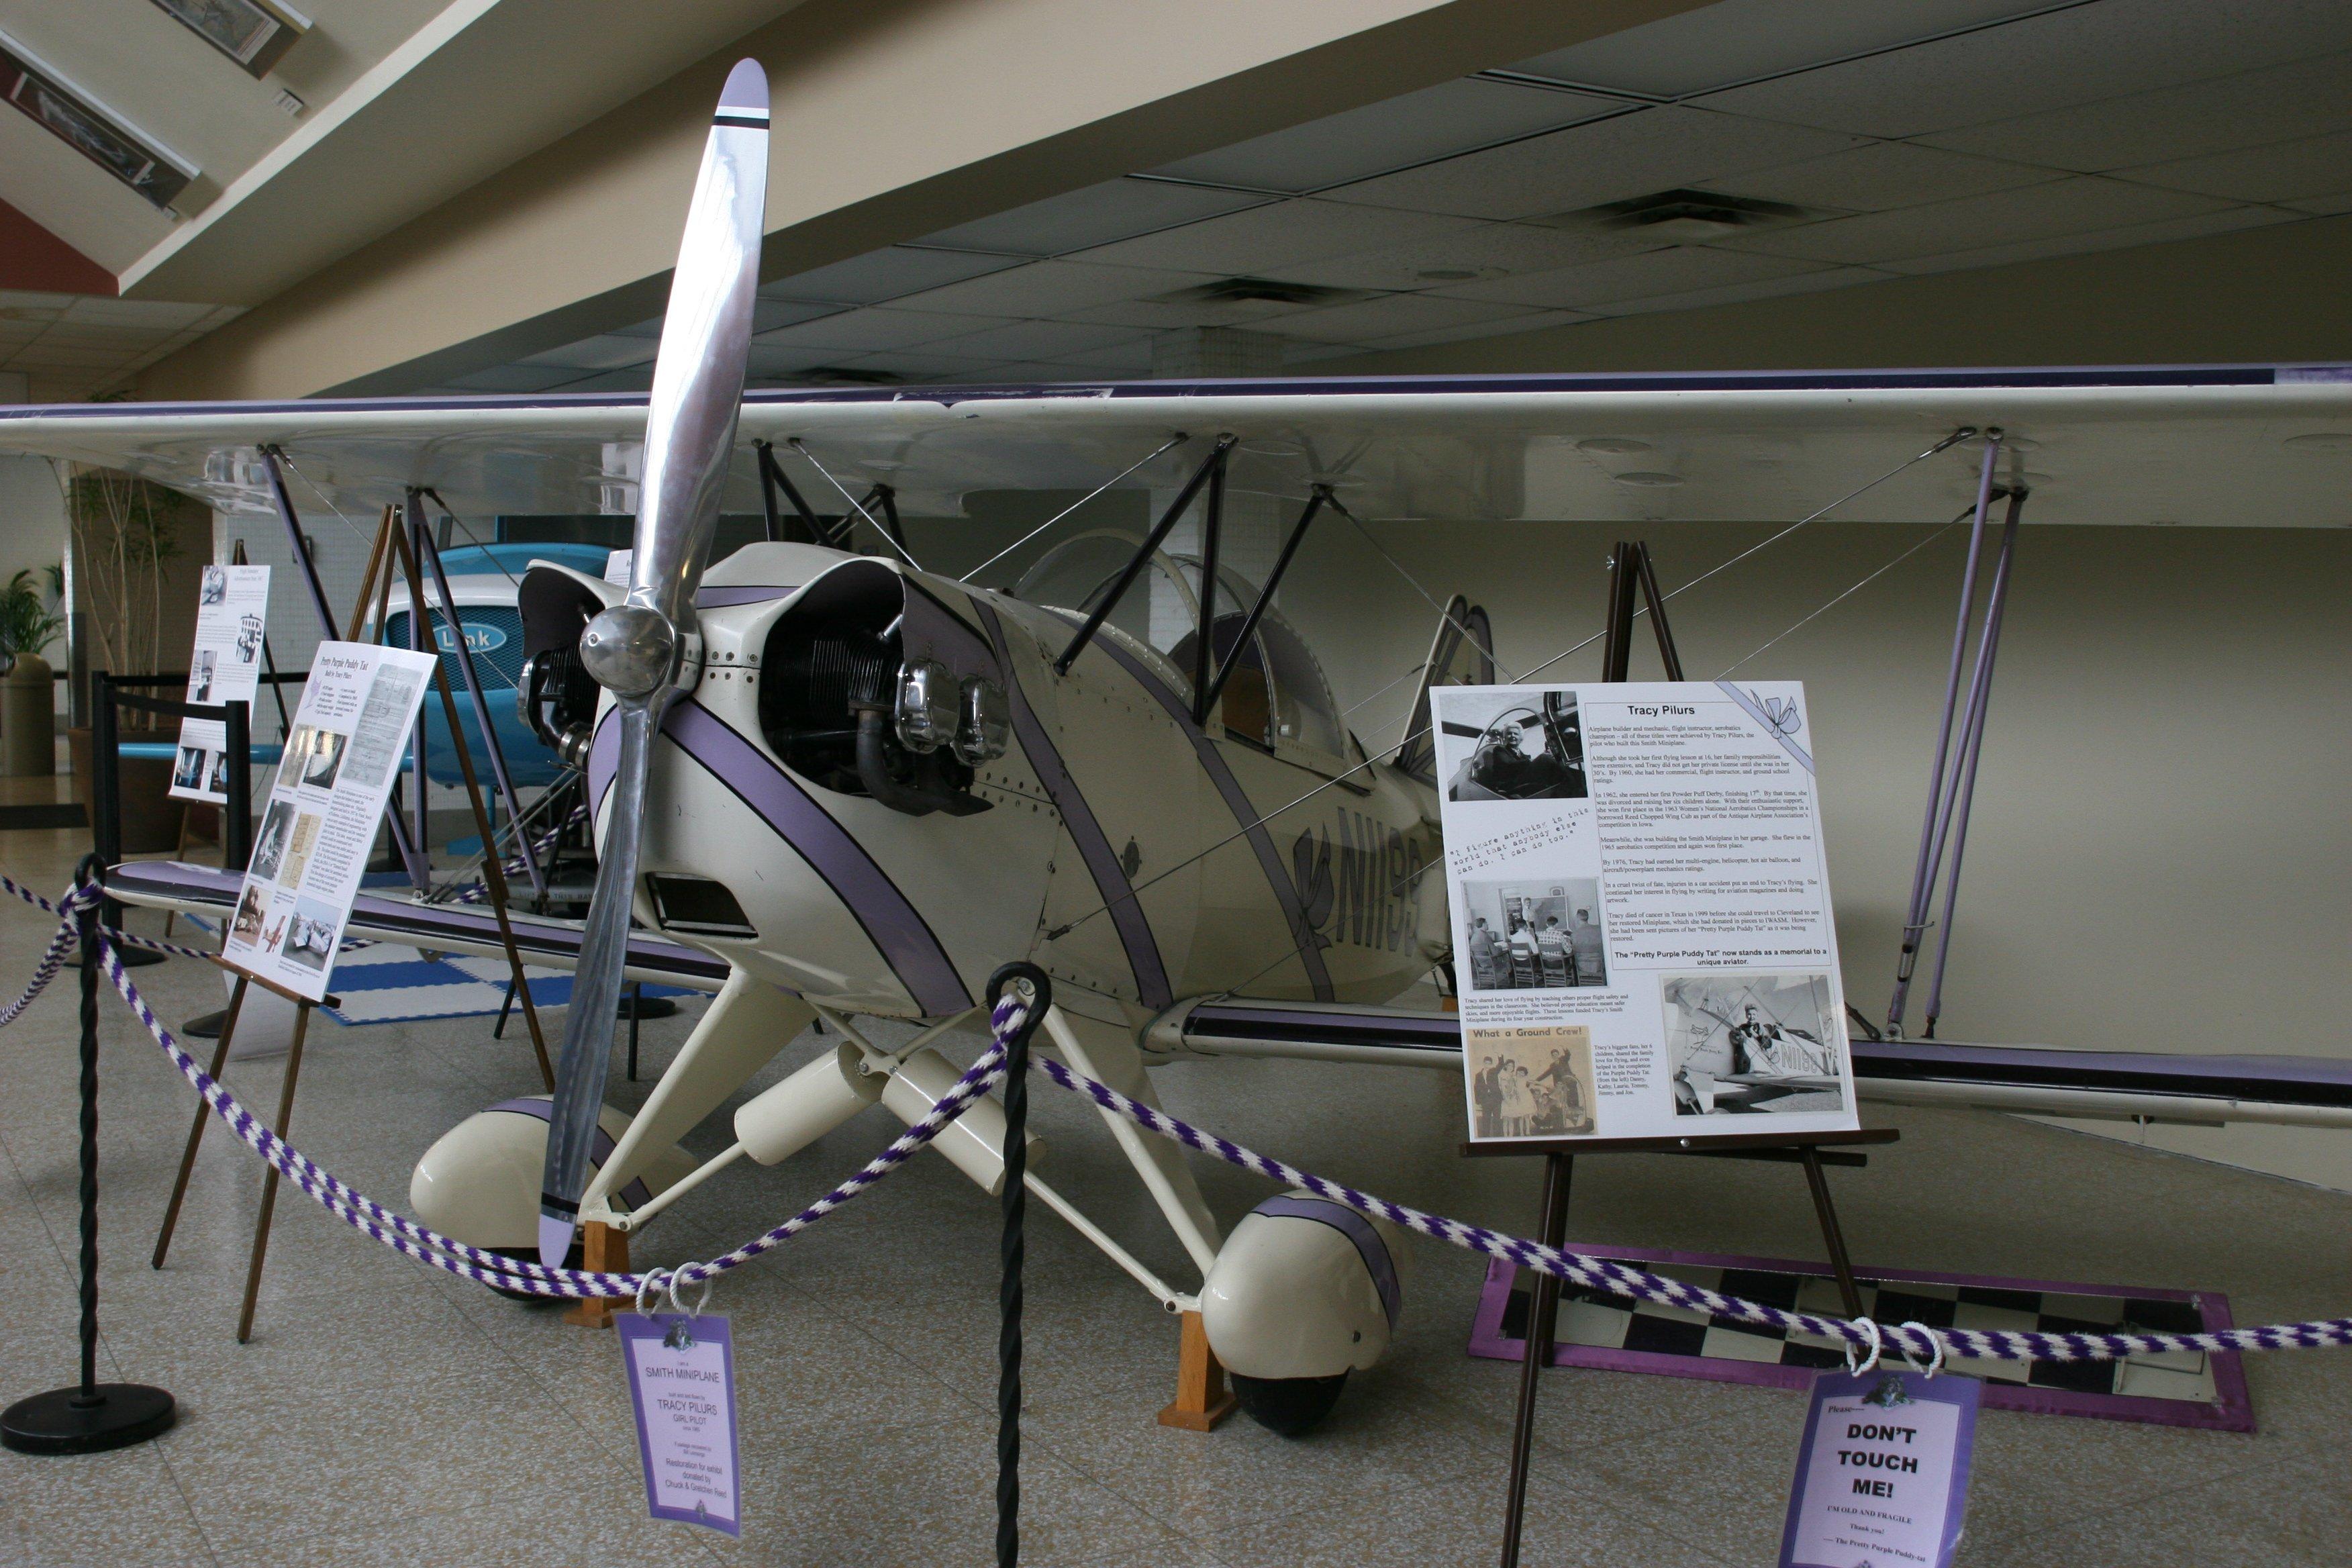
527, 1277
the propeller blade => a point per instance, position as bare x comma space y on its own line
632, 649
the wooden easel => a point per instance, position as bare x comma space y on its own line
260, 1248
390, 551
1631, 575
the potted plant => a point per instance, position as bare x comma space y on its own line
126, 531
28, 736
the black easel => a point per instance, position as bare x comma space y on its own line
91, 1416
1631, 573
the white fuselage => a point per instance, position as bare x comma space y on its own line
1122, 850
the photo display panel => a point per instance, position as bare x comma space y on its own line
350, 736
232, 615
1643, 942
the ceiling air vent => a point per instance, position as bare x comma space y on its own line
1260, 291
844, 376
1684, 217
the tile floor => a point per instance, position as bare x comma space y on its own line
384, 1414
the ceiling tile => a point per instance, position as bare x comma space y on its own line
1489, 251
2278, 104
2077, 205
23, 304
515, 378
1671, 270
2076, 244
1133, 356
1435, 123
597, 353
1097, 215
2049, 61
1737, 293
1880, 176
1526, 321
916, 366
1173, 313
1037, 340
872, 329
639, 378
1057, 289
1389, 315
1739, 40
1610, 160
1265, 239
2326, 205
884, 274
2284, 170
153, 314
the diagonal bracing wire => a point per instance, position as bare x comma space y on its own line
1170, 445
1850, 593
1136, 891
798, 446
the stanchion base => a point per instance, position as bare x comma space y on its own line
204, 1026
647, 1007
138, 957
61, 1422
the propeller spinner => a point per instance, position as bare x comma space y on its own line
632, 649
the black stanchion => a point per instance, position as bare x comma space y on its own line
90, 1415
106, 801
1012, 1251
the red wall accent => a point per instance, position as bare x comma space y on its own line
32, 259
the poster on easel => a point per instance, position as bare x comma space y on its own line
349, 738
1642, 941
232, 615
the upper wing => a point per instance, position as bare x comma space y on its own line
2194, 445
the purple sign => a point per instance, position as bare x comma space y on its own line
1882, 1477
682, 1384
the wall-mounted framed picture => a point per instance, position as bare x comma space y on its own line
253, 33
88, 127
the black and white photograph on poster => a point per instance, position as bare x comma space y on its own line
297, 850
269, 848
310, 934
290, 761
188, 769
248, 639
381, 732
217, 780
214, 587
1747, 1044
245, 927
200, 677
1533, 1082
325, 759
1535, 934
1507, 745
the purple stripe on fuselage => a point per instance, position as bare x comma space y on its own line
906, 942
721, 599
1370, 1246
1094, 846
1237, 800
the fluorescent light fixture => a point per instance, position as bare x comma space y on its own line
88, 127
253, 33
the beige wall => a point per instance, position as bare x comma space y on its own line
2158, 855
893, 118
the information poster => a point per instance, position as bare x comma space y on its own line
232, 613
349, 737
1883, 1476
682, 1388
1642, 928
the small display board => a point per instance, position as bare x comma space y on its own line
338, 771
1882, 1475
232, 616
682, 1388
1642, 932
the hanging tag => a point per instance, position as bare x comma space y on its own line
1882, 1477
682, 1383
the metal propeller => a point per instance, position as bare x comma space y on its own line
634, 649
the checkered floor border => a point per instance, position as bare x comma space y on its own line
390, 984
1619, 1334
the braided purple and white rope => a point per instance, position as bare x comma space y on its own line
523, 1276
43, 972
1622, 1279
70, 904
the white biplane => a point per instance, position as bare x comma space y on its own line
830, 784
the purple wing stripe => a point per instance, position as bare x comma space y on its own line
906, 942
1237, 800
1368, 1244
1094, 848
